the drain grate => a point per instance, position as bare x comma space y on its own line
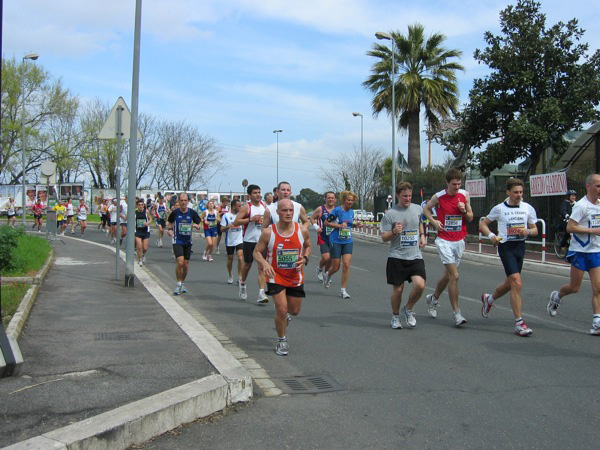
121, 336
314, 384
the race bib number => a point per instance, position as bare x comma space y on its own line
287, 258
328, 231
161, 213
595, 221
453, 223
185, 229
345, 233
512, 231
140, 223
409, 238
212, 223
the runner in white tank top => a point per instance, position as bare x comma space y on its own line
284, 191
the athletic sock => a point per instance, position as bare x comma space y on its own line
518, 321
596, 319
282, 339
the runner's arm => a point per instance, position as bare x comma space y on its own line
574, 227
428, 211
469, 212
304, 217
267, 217
306, 248
242, 217
261, 247
484, 226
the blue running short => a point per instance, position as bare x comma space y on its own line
584, 261
337, 250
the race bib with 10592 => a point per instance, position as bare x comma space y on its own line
595, 221
453, 223
287, 258
512, 231
409, 238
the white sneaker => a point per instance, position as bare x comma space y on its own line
553, 304
218, 251
344, 294
183, 289
160, 244
204, 256
396, 324
230, 280
262, 297
143, 258
282, 348
243, 292
140, 262
177, 289
595, 330
458, 318
409, 316
288, 318
431, 306
327, 280
319, 273
487, 305
522, 329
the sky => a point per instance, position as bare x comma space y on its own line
239, 69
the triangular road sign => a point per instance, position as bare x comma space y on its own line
109, 129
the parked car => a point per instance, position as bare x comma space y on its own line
363, 216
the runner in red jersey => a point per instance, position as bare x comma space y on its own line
288, 247
453, 212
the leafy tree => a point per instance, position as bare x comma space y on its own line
309, 199
46, 100
426, 77
543, 84
430, 179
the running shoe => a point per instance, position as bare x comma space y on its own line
487, 305
431, 306
288, 318
282, 348
143, 258
409, 316
205, 256
177, 290
183, 289
230, 280
595, 330
319, 273
396, 324
160, 244
522, 329
343, 293
243, 292
210, 258
458, 318
112, 241
553, 304
72, 231
327, 280
218, 251
262, 297
140, 262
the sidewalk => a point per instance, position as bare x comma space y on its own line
92, 345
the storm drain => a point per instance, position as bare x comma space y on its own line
121, 336
315, 384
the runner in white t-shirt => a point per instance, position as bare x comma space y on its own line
233, 240
516, 222
82, 212
584, 250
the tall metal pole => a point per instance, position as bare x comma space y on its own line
118, 235
33, 57
135, 88
393, 119
362, 162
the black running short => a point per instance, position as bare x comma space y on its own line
231, 249
400, 270
248, 248
512, 255
143, 235
182, 250
296, 291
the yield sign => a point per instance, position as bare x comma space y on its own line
109, 129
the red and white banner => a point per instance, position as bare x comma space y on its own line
476, 188
548, 184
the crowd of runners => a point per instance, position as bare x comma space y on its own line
274, 232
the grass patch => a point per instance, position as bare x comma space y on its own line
28, 257
12, 294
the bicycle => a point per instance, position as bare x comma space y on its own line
561, 252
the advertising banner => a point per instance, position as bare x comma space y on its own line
476, 188
548, 184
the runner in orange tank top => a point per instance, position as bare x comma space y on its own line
288, 248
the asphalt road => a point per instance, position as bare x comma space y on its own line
434, 386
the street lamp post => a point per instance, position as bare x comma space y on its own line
33, 57
362, 161
388, 36
277, 134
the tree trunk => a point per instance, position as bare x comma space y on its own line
414, 141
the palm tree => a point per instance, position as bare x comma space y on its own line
425, 75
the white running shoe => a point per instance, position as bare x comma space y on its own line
210, 258
262, 297
160, 244
243, 291
458, 318
183, 289
319, 273
522, 329
327, 280
112, 241
343, 293
230, 280
396, 324
140, 262
282, 348
409, 316
204, 256
177, 289
143, 258
431, 306
595, 330
487, 305
288, 318
553, 304
218, 251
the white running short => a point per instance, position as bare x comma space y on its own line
450, 251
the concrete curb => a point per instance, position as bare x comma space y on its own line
16, 324
484, 258
139, 421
